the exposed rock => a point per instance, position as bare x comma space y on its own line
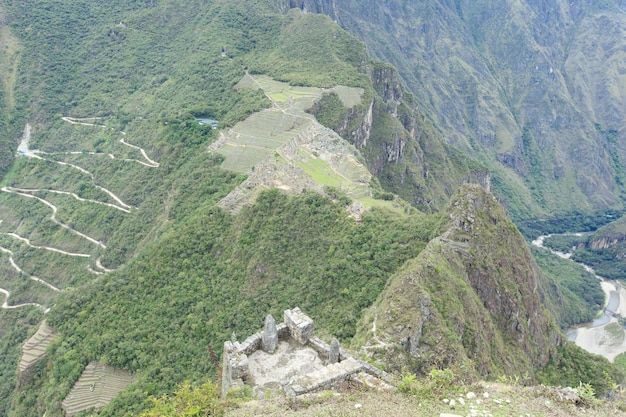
270, 334
333, 355
490, 77
299, 364
471, 294
300, 325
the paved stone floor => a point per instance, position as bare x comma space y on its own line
288, 362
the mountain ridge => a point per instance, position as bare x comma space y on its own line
492, 79
174, 274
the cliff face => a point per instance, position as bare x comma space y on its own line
471, 294
400, 146
528, 86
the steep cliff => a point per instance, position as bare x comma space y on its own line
400, 146
532, 88
471, 294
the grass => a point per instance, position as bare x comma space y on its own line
502, 401
615, 332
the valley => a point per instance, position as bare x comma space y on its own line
606, 334
173, 174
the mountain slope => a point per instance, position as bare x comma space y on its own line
110, 207
513, 84
113, 212
471, 294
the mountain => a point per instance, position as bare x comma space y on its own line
174, 173
531, 88
467, 296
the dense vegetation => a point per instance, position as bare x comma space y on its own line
188, 274
505, 83
216, 275
572, 294
606, 262
573, 366
573, 223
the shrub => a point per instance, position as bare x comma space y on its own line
187, 401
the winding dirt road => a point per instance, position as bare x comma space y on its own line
151, 163
48, 248
125, 209
53, 217
6, 306
21, 271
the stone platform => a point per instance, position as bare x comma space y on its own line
297, 364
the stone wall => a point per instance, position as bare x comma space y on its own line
299, 327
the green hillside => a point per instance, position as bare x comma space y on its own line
146, 239
534, 90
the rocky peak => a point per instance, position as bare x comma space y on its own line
471, 294
387, 83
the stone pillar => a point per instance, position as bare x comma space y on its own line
270, 335
333, 354
227, 370
300, 325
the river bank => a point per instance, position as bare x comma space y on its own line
604, 336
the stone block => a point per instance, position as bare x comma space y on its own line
283, 331
234, 367
321, 347
251, 344
300, 325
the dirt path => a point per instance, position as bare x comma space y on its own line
21, 271
48, 248
125, 207
53, 217
99, 265
6, 306
380, 343
151, 163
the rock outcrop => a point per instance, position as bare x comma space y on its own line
400, 146
471, 294
302, 362
516, 82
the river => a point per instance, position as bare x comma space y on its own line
604, 335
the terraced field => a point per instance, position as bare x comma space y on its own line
285, 147
35, 348
95, 388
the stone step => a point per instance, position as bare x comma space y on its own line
327, 376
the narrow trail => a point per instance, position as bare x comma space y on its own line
6, 306
99, 187
21, 271
110, 155
48, 248
25, 151
380, 343
93, 271
125, 208
53, 217
150, 163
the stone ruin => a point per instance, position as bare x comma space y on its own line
288, 358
